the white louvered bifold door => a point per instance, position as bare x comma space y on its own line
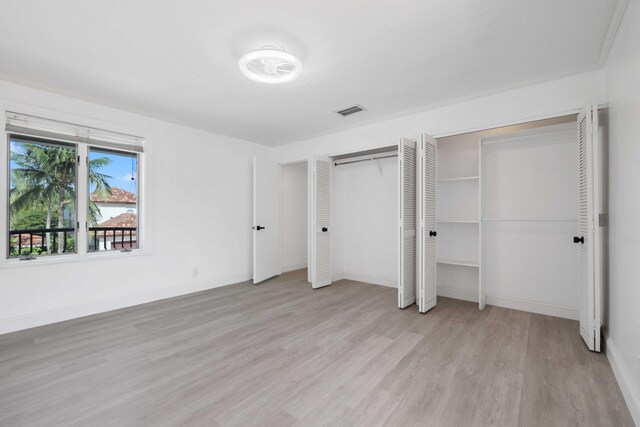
587, 136
408, 219
321, 224
427, 227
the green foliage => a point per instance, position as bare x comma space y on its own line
45, 176
70, 244
25, 251
34, 217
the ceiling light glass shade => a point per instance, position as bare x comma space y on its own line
270, 65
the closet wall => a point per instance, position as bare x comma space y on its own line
530, 213
365, 221
294, 216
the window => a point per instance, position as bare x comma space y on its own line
113, 200
71, 189
42, 197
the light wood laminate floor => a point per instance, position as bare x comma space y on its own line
281, 354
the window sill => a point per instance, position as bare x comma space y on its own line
72, 258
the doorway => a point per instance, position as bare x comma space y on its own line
294, 209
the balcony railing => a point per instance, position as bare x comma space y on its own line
35, 241
120, 238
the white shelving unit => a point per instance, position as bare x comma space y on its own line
458, 217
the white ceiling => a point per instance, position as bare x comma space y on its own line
178, 60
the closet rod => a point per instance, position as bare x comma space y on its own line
368, 159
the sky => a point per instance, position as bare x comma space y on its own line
120, 170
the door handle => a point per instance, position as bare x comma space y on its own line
258, 228
433, 233
325, 229
577, 239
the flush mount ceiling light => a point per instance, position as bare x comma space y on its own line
270, 65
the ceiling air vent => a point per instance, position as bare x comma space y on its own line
351, 110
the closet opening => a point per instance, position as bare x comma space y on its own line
294, 208
510, 216
364, 216
507, 212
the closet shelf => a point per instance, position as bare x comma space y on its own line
462, 178
529, 220
458, 262
458, 221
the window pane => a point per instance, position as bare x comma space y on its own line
113, 200
42, 201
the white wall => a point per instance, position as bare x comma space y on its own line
209, 173
623, 314
550, 99
368, 210
293, 214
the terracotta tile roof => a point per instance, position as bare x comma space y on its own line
118, 195
123, 220
37, 240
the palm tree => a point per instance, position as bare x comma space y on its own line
32, 187
46, 175
100, 184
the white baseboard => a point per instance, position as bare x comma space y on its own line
513, 303
95, 307
534, 307
294, 267
625, 380
374, 280
445, 291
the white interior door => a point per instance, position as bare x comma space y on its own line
408, 219
266, 220
590, 293
427, 224
320, 261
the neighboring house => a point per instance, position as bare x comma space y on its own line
117, 210
114, 239
112, 205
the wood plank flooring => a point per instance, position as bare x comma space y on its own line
282, 354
